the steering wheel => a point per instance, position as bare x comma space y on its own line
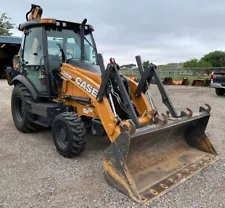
68, 55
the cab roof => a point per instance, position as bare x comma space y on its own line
54, 23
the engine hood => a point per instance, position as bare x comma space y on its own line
85, 66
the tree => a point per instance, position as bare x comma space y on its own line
216, 58
5, 25
203, 63
146, 64
191, 63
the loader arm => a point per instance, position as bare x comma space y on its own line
80, 89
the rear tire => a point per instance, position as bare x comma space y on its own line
220, 91
20, 109
69, 134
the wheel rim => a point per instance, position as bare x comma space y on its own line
61, 136
19, 109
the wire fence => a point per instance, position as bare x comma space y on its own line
184, 73
197, 76
177, 73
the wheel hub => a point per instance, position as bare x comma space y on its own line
62, 137
19, 109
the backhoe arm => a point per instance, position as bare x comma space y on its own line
34, 13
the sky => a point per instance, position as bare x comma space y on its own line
161, 31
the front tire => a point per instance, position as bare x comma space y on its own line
69, 134
20, 109
220, 91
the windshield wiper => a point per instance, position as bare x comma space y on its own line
89, 43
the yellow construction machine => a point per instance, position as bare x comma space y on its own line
60, 82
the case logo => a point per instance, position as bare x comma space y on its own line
87, 87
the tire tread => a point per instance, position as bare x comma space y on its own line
76, 131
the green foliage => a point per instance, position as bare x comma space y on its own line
203, 63
195, 63
216, 58
5, 25
212, 59
191, 63
146, 64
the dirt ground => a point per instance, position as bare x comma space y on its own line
33, 174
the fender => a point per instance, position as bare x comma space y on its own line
26, 82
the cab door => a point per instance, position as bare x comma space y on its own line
33, 59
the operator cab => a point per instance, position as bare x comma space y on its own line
47, 43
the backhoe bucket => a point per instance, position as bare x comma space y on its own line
157, 158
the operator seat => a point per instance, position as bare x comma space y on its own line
54, 62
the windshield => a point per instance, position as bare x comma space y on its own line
69, 41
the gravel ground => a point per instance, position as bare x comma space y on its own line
33, 174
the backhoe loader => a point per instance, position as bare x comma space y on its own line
60, 82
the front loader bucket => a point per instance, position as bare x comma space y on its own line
157, 158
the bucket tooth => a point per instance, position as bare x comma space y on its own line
201, 109
165, 119
189, 115
168, 113
209, 107
157, 120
